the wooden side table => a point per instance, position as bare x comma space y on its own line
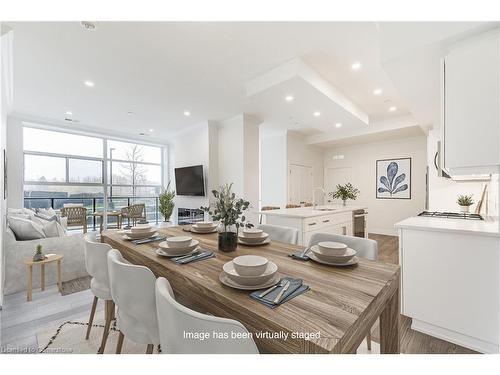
49, 258
117, 214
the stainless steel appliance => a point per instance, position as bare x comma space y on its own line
451, 215
359, 223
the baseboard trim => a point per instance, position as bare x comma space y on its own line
385, 232
455, 337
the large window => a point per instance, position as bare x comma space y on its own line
64, 168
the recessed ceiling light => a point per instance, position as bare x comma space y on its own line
289, 98
187, 113
356, 65
69, 113
89, 83
338, 125
393, 108
317, 114
377, 92
151, 130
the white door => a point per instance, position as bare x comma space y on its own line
336, 176
300, 184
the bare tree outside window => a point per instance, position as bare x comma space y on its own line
133, 172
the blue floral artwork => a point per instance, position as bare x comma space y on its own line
393, 179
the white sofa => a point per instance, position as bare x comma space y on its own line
72, 266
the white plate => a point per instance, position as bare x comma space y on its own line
179, 250
354, 260
139, 235
243, 242
165, 254
224, 279
349, 254
194, 230
268, 274
126, 237
255, 239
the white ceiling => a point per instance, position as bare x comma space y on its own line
159, 70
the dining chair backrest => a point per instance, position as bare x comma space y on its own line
96, 258
133, 291
364, 247
177, 323
280, 233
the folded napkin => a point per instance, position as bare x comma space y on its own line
194, 258
296, 288
298, 255
147, 240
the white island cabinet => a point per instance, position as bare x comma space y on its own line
325, 219
450, 283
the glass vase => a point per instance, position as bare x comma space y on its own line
227, 237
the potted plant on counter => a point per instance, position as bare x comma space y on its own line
166, 199
345, 192
228, 211
465, 201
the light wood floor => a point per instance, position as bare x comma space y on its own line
412, 342
20, 320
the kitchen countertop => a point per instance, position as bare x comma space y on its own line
305, 212
487, 227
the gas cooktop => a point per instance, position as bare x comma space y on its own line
451, 215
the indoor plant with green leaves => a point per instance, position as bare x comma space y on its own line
166, 199
345, 192
228, 210
465, 201
38, 254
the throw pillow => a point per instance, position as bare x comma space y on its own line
25, 229
53, 229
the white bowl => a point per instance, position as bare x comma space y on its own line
179, 241
346, 257
204, 224
269, 272
257, 239
179, 250
332, 248
252, 232
141, 228
140, 235
250, 265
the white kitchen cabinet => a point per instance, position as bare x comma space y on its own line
471, 106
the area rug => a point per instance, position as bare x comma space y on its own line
76, 285
69, 338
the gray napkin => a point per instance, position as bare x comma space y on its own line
194, 258
298, 255
147, 240
296, 288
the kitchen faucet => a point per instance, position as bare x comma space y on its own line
314, 195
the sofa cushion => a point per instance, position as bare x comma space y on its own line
53, 229
25, 229
46, 211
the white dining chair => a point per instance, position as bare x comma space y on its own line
365, 248
176, 320
96, 262
280, 233
133, 290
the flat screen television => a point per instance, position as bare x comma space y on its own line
189, 181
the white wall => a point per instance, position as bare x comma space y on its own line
299, 152
443, 192
361, 158
15, 162
273, 160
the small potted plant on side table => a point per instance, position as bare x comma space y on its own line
465, 201
345, 192
228, 211
38, 254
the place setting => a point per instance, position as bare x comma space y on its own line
253, 237
330, 253
258, 274
183, 250
141, 234
202, 227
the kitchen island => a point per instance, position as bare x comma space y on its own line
450, 279
335, 219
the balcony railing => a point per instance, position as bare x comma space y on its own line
97, 204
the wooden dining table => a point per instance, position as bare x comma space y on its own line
334, 316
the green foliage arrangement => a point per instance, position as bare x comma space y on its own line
345, 192
465, 200
227, 208
166, 199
